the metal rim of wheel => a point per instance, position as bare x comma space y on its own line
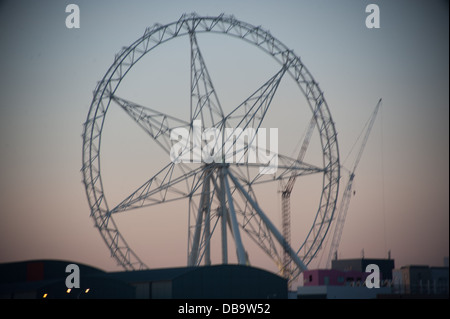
210, 183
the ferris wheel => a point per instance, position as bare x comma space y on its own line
224, 192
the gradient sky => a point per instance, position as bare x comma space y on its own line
48, 73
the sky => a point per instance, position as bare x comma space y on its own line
48, 73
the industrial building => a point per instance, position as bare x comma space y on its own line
421, 280
359, 264
47, 279
346, 280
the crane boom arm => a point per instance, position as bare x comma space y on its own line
366, 136
345, 202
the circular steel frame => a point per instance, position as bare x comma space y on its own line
189, 25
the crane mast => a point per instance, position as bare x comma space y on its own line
345, 202
286, 198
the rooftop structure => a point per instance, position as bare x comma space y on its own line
360, 264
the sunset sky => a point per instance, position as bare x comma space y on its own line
48, 73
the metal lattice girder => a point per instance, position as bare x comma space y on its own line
157, 124
205, 104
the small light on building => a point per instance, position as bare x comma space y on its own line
87, 290
68, 290
44, 296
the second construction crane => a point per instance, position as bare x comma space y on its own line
342, 212
345, 202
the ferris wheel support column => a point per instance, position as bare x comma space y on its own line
240, 251
223, 212
223, 215
203, 215
281, 240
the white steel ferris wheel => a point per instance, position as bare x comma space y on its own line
221, 197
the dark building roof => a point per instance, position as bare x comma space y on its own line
162, 274
38, 270
217, 281
36, 278
39, 278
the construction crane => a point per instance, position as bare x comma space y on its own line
286, 195
345, 202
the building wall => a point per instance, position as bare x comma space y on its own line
397, 281
162, 289
332, 277
440, 280
417, 279
143, 290
340, 292
229, 281
386, 265
347, 292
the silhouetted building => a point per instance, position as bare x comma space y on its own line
47, 279
346, 280
386, 265
337, 284
421, 280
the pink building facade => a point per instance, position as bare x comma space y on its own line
332, 277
